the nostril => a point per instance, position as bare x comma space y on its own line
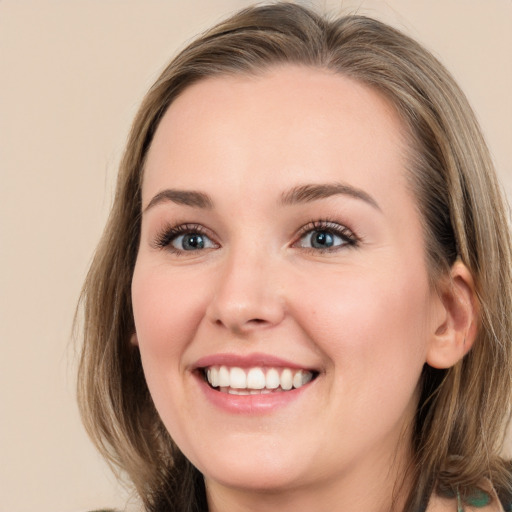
242, 327
254, 321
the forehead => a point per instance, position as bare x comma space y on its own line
285, 124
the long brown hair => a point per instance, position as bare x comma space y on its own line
463, 411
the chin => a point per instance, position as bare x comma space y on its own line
249, 480
261, 473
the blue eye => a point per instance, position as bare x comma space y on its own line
322, 239
184, 238
191, 242
324, 236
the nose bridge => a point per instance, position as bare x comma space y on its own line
247, 294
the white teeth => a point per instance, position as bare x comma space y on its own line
301, 378
223, 377
297, 379
237, 378
214, 376
272, 379
287, 379
257, 380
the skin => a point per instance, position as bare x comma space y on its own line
363, 314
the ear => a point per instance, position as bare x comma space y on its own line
456, 324
134, 341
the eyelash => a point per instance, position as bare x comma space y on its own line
165, 238
347, 235
169, 233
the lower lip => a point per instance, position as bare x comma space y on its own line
250, 404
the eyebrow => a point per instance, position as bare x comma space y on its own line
313, 192
299, 194
183, 197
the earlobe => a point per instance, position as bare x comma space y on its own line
134, 341
456, 326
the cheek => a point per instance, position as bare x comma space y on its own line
167, 312
372, 326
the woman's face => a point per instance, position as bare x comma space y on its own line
282, 248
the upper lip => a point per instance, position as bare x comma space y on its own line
248, 361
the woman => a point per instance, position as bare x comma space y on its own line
301, 300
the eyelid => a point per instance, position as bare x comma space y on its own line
165, 236
336, 228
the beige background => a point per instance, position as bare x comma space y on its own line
72, 73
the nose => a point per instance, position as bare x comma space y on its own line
248, 294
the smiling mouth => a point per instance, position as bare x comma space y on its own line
256, 380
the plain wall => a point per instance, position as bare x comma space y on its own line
72, 73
